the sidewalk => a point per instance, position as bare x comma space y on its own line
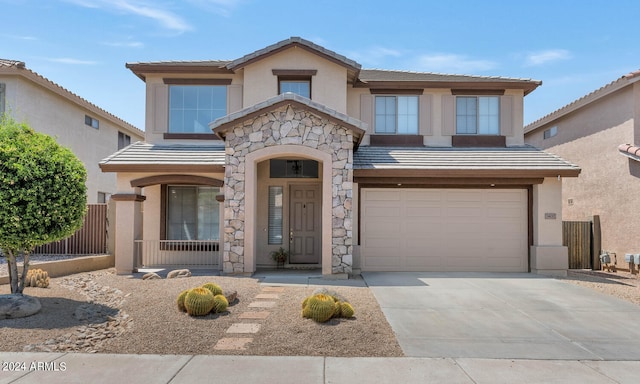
109, 368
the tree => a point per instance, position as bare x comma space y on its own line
42, 194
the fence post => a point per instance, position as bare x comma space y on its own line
596, 244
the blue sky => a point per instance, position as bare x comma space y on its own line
573, 47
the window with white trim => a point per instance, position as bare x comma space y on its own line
193, 107
477, 115
396, 115
192, 213
300, 87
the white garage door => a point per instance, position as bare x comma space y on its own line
470, 230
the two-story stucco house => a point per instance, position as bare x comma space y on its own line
601, 132
89, 131
350, 169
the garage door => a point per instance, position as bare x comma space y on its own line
471, 230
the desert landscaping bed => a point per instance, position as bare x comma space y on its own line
102, 312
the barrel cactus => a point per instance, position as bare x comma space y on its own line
180, 300
320, 308
37, 278
214, 288
220, 303
199, 301
346, 310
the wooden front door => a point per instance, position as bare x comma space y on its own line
305, 231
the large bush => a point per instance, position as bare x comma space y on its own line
42, 193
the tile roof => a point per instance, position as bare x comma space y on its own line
367, 75
142, 156
631, 151
524, 159
293, 41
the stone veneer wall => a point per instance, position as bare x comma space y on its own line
289, 126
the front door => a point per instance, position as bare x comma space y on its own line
305, 224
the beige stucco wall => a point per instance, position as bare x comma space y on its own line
548, 255
328, 86
590, 138
52, 114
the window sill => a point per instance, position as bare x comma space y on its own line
396, 140
191, 136
478, 141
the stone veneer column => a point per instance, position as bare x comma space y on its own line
288, 126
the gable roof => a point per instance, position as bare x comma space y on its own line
14, 67
362, 78
585, 100
222, 124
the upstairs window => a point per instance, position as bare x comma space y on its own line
123, 140
549, 133
3, 88
90, 121
396, 115
193, 107
299, 87
477, 115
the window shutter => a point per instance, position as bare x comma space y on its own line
425, 115
235, 98
506, 115
448, 115
160, 102
366, 111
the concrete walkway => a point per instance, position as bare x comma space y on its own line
54, 368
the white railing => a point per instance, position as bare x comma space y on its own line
177, 253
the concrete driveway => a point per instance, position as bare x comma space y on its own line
510, 316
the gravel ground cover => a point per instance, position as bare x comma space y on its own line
101, 312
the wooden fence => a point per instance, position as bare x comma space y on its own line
582, 238
91, 239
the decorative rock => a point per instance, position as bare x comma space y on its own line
151, 276
177, 273
15, 306
231, 296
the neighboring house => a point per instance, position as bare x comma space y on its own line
350, 169
89, 131
601, 133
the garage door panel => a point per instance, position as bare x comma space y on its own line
445, 230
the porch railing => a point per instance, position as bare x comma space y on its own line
177, 253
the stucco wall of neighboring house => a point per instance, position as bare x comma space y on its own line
590, 138
328, 85
49, 113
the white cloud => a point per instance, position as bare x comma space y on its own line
17, 37
68, 60
221, 7
452, 63
543, 57
153, 11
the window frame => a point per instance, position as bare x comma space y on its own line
91, 122
275, 215
165, 220
550, 132
396, 114
173, 84
478, 115
124, 140
295, 79
3, 97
